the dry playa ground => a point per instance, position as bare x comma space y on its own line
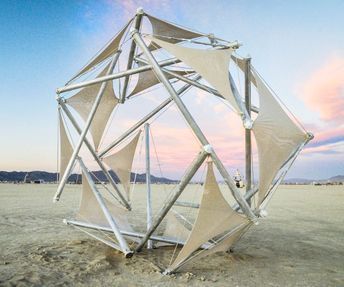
300, 243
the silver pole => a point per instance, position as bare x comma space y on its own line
144, 119
96, 158
209, 89
284, 168
113, 76
248, 144
124, 232
245, 115
123, 244
187, 204
196, 129
169, 203
86, 128
148, 183
235, 192
137, 25
161, 76
248, 195
109, 243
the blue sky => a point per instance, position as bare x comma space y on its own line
43, 43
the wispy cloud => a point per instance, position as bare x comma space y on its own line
323, 92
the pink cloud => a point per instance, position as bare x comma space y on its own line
323, 91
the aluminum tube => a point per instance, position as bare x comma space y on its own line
235, 192
187, 204
114, 227
123, 232
248, 141
95, 156
169, 203
85, 130
196, 129
112, 77
162, 78
137, 25
148, 183
143, 120
199, 85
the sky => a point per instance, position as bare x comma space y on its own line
296, 45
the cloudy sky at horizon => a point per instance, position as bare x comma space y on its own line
296, 45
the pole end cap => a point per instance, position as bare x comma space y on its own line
263, 213
310, 136
248, 124
208, 149
128, 254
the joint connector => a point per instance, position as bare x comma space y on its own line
310, 136
128, 254
263, 213
234, 45
59, 99
56, 199
208, 149
167, 272
248, 124
139, 11
65, 221
133, 31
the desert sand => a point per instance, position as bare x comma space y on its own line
300, 243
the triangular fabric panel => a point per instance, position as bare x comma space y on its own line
66, 149
90, 211
212, 65
121, 162
148, 79
83, 101
225, 244
215, 216
175, 229
165, 29
108, 51
277, 137
241, 64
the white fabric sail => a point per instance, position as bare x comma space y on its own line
111, 48
66, 149
148, 79
83, 101
90, 211
212, 65
169, 32
277, 137
225, 243
175, 229
241, 64
121, 162
215, 216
